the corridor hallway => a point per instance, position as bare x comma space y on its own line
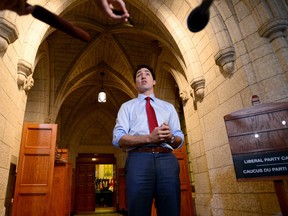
105, 211
50, 78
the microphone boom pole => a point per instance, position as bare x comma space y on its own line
199, 17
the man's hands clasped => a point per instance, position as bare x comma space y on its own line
161, 134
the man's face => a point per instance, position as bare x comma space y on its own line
144, 80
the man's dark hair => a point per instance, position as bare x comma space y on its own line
144, 66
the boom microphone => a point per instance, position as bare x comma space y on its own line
199, 17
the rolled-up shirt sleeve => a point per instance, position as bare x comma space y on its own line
122, 126
175, 124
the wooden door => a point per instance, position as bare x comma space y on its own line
61, 192
186, 193
34, 179
85, 179
85, 187
121, 186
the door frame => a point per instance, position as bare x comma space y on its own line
93, 158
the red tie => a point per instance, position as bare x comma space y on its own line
152, 121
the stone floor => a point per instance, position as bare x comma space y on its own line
101, 212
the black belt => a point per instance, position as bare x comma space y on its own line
152, 150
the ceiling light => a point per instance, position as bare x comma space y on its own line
102, 94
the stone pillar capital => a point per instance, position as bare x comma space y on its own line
198, 85
273, 29
8, 33
225, 59
24, 78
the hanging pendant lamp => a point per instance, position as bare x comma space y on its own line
102, 94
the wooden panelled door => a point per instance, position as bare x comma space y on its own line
186, 193
85, 187
34, 179
85, 179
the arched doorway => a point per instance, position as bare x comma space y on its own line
95, 178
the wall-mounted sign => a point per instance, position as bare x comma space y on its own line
258, 139
261, 164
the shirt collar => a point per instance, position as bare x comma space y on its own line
142, 96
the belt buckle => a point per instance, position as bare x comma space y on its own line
154, 150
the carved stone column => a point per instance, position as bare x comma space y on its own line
274, 30
222, 45
8, 31
273, 26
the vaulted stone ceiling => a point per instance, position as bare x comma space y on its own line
115, 49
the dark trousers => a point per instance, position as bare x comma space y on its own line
152, 175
